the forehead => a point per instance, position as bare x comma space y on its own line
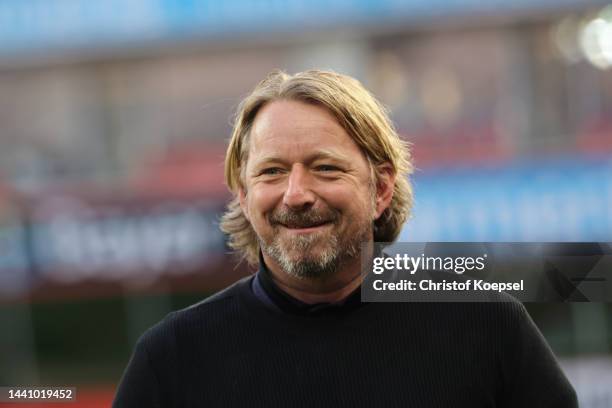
295, 129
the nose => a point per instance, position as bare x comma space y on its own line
298, 194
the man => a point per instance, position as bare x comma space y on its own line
318, 170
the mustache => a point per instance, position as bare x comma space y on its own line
303, 219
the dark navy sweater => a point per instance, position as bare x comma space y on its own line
252, 345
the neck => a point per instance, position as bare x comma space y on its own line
330, 289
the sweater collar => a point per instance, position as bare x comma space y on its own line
271, 294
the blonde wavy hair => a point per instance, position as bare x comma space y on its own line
356, 110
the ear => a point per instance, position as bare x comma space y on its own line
384, 188
242, 198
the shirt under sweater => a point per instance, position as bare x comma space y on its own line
253, 345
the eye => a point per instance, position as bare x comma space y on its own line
326, 168
271, 171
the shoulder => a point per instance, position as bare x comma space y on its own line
216, 301
207, 314
501, 313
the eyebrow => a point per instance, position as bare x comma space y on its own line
323, 154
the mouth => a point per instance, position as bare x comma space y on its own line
305, 229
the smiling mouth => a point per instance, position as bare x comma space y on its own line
305, 228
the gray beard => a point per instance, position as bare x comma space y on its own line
314, 267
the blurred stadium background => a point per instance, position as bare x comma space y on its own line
114, 118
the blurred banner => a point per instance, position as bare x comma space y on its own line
39, 25
65, 239
560, 199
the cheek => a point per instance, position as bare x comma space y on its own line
262, 199
353, 202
